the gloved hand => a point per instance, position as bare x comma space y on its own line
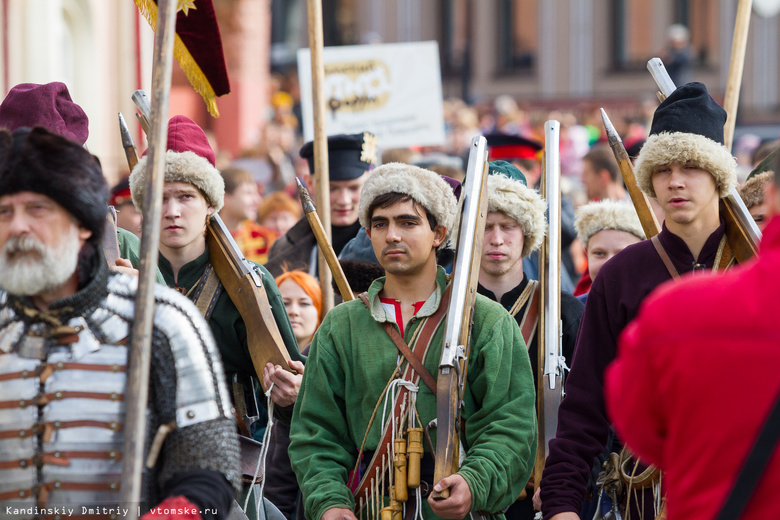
174, 508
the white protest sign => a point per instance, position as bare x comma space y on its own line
392, 90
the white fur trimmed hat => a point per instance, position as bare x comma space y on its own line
687, 128
189, 159
424, 186
508, 194
593, 217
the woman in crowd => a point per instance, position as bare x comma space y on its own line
302, 297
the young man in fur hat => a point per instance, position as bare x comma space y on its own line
192, 193
514, 228
65, 321
684, 393
686, 167
753, 194
605, 228
350, 160
408, 212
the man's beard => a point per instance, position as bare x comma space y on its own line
29, 267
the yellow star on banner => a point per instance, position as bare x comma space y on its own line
368, 153
186, 5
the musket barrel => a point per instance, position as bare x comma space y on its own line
661, 76
552, 285
466, 236
141, 100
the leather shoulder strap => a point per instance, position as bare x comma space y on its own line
424, 340
665, 257
528, 326
207, 292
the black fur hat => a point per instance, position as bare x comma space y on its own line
43, 162
687, 127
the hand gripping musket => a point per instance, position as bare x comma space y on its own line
741, 230
322, 241
550, 380
141, 343
244, 286
642, 205
455, 349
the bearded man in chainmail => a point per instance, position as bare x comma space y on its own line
65, 322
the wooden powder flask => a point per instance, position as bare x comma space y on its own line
399, 462
414, 453
394, 511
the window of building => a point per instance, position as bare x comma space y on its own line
518, 35
635, 40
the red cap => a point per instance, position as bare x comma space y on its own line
49, 106
184, 135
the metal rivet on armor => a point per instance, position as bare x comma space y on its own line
57, 454
58, 484
113, 425
22, 433
23, 463
113, 485
22, 494
25, 374
113, 516
115, 368
57, 517
112, 454
22, 404
58, 395
190, 414
114, 396
60, 365
57, 424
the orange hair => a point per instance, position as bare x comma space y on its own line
310, 286
276, 201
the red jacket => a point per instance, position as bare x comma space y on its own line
695, 378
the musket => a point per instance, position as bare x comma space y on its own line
141, 334
244, 285
550, 380
322, 241
457, 329
641, 203
141, 100
741, 230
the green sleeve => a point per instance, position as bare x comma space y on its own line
280, 315
501, 433
130, 249
321, 453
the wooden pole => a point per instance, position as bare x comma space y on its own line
736, 65
321, 173
137, 393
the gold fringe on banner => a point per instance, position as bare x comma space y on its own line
198, 80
